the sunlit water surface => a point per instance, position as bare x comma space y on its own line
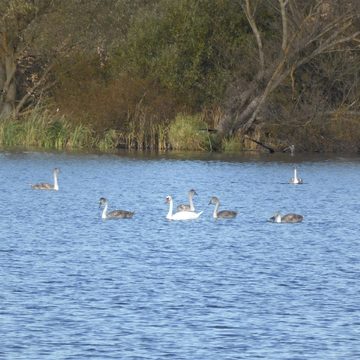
75, 287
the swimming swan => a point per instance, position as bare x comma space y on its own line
190, 206
47, 186
224, 214
181, 215
296, 179
115, 214
288, 218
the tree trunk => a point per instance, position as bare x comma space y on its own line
7, 80
310, 35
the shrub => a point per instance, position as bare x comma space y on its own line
189, 133
233, 144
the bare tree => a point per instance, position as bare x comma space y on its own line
309, 28
16, 23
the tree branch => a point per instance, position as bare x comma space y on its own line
252, 22
22, 102
283, 4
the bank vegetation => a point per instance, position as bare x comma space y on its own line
208, 75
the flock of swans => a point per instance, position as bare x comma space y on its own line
183, 211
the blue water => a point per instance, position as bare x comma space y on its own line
73, 286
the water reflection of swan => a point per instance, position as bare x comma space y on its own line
115, 214
288, 218
47, 186
224, 214
296, 179
190, 206
181, 215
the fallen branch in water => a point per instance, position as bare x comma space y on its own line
270, 149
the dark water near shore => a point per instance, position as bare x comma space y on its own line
75, 287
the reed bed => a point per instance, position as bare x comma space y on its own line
44, 129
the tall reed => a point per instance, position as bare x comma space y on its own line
189, 132
42, 129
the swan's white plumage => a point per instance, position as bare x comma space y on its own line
296, 179
181, 215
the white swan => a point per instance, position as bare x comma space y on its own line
115, 214
181, 215
288, 218
224, 214
47, 186
190, 206
296, 179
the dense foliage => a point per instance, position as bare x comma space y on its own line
128, 68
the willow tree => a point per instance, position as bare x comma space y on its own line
306, 30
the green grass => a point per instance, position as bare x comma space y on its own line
189, 132
44, 130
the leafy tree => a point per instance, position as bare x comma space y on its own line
36, 35
187, 46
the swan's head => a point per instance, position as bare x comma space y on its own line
168, 199
56, 171
102, 202
192, 192
214, 200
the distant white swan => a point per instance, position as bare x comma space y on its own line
224, 214
288, 218
47, 186
190, 206
115, 214
181, 215
296, 179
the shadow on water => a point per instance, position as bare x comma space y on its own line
245, 156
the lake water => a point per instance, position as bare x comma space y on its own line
73, 286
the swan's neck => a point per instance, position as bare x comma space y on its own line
295, 175
278, 218
216, 210
192, 207
56, 184
104, 212
170, 213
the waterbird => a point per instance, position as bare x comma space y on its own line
115, 214
190, 206
47, 186
288, 218
180, 215
296, 179
224, 214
